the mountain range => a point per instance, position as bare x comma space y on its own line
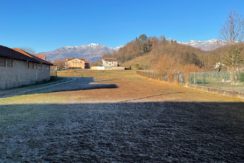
94, 52
206, 45
91, 52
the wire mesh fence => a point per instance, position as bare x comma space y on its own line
218, 80
209, 77
211, 81
176, 77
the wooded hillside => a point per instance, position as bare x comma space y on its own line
169, 56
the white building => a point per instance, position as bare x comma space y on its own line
18, 68
110, 62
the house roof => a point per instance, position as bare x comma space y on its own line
39, 60
19, 54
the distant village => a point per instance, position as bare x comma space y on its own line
79, 63
19, 68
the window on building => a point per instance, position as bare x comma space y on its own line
2, 62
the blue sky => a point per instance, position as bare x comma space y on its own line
49, 24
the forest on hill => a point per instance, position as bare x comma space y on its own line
169, 56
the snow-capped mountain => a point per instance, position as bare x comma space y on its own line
90, 52
94, 52
206, 45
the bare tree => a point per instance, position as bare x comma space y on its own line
233, 33
233, 29
233, 62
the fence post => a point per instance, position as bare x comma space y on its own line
194, 79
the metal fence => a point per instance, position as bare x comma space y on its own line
214, 77
209, 77
211, 81
218, 80
176, 77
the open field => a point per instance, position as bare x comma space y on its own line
110, 86
109, 116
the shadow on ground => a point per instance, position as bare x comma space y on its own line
123, 132
66, 84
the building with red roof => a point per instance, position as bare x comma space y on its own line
18, 68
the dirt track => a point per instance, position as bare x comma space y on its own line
135, 120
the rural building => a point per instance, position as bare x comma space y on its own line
110, 62
18, 68
76, 63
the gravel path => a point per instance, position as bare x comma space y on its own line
123, 132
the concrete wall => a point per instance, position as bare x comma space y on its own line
97, 68
107, 68
20, 74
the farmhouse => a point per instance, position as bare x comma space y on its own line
76, 63
18, 68
110, 62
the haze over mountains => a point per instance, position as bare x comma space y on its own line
94, 52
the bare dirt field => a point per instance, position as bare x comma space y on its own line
96, 116
106, 86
